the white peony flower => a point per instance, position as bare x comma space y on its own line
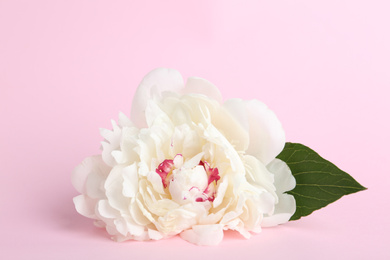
187, 164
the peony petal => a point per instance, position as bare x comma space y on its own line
127, 225
258, 174
114, 186
123, 120
213, 135
85, 205
194, 161
156, 182
121, 226
106, 211
137, 215
284, 181
283, 211
201, 86
221, 192
185, 141
176, 220
130, 180
232, 129
152, 86
238, 225
178, 161
94, 185
111, 143
153, 113
154, 234
283, 178
266, 135
90, 165
204, 235
128, 144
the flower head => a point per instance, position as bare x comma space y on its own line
187, 163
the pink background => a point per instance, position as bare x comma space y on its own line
68, 67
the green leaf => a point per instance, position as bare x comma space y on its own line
319, 182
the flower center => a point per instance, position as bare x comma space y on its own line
195, 184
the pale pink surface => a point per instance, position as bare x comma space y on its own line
68, 67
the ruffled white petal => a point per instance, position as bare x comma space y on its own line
204, 235
152, 86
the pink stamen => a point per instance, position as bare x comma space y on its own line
200, 199
163, 170
211, 172
212, 198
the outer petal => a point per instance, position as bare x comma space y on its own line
284, 181
202, 86
266, 135
90, 165
204, 235
283, 211
152, 86
85, 206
